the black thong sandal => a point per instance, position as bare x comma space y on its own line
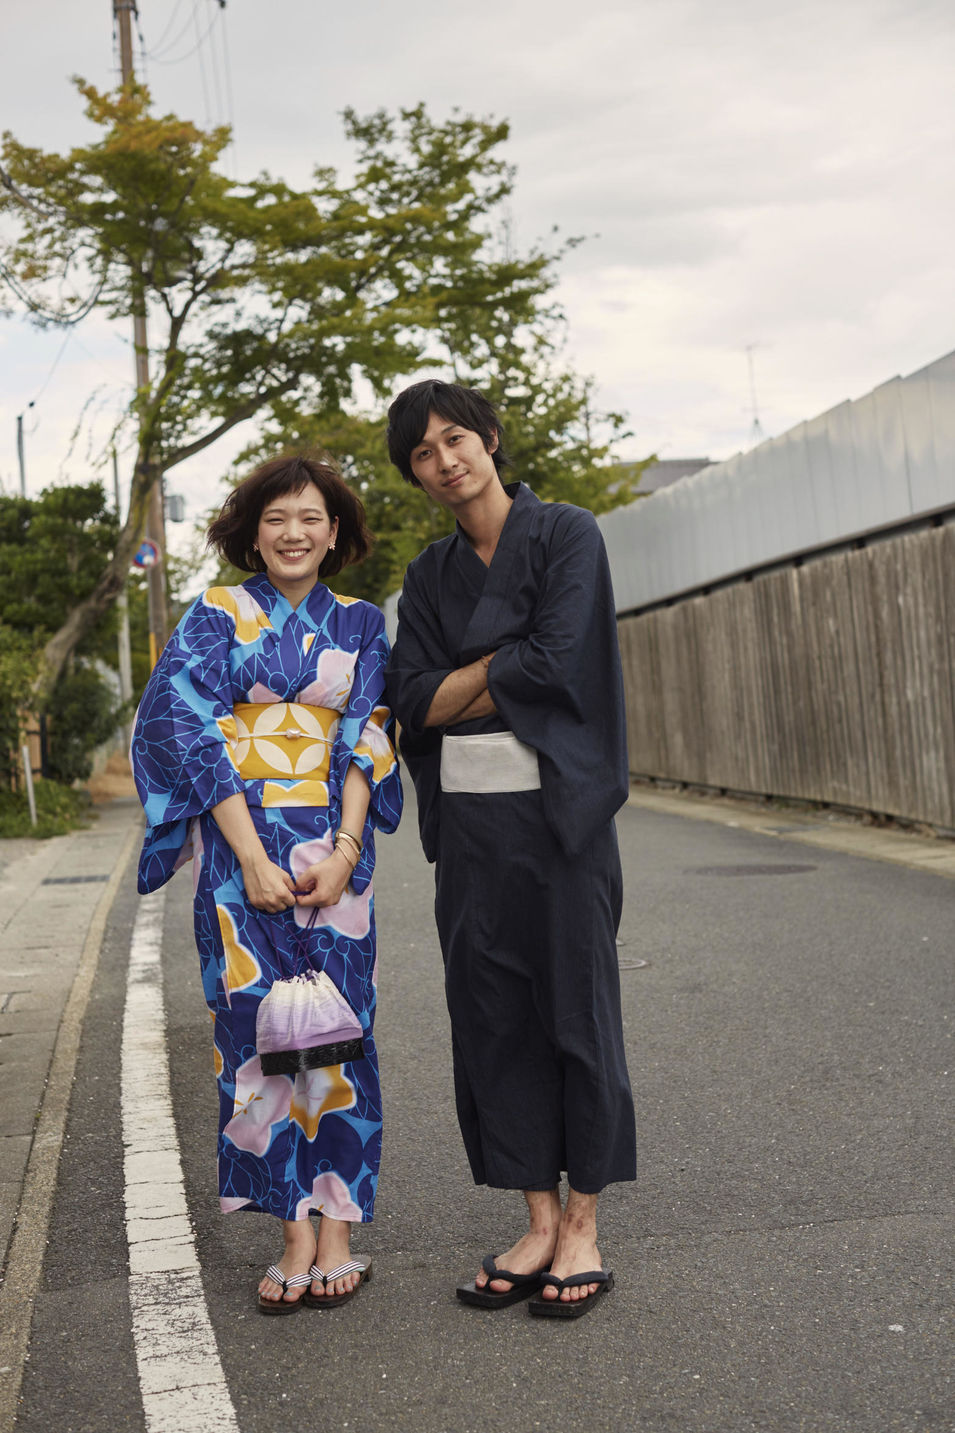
283, 1305
522, 1285
570, 1309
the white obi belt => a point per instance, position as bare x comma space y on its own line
488, 762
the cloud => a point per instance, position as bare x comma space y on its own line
748, 174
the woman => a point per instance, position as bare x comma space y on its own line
261, 750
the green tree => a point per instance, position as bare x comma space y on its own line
52, 552
256, 294
555, 440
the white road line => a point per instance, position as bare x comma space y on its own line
181, 1379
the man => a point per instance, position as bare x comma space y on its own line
505, 678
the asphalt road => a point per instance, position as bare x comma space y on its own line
783, 1263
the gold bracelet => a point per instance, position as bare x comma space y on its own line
347, 836
342, 852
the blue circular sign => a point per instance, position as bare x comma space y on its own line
147, 554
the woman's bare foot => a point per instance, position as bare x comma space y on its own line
297, 1259
333, 1250
535, 1249
576, 1251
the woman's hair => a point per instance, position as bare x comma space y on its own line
409, 414
234, 531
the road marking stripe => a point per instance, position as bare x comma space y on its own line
181, 1379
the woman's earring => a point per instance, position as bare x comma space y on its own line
331, 545
255, 547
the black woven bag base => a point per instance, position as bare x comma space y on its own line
290, 1062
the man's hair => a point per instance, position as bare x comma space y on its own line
234, 531
409, 414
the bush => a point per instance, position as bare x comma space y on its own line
59, 809
16, 670
83, 714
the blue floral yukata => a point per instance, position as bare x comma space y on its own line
252, 695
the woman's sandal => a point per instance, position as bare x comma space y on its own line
331, 1301
283, 1305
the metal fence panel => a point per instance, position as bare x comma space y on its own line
869, 464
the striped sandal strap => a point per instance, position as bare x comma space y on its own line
350, 1268
316, 1273
295, 1282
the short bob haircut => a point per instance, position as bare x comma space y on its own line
409, 414
234, 531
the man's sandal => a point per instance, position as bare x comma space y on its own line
283, 1305
570, 1308
484, 1297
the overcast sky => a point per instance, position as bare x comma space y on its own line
773, 177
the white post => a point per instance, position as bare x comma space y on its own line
28, 778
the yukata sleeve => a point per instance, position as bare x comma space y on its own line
180, 749
418, 666
419, 662
560, 688
366, 739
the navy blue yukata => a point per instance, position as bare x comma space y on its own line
528, 883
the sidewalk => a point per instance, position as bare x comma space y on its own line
55, 896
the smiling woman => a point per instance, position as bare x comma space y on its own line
262, 748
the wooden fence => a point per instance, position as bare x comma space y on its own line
833, 681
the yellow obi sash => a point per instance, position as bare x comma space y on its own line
285, 741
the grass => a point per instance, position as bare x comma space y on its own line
59, 809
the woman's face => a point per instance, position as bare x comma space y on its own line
295, 532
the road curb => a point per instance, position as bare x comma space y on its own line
24, 1265
935, 855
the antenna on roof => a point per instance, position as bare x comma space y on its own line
756, 433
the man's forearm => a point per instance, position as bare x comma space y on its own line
482, 706
459, 691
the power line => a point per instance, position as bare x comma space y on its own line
169, 24
50, 315
202, 68
178, 59
53, 367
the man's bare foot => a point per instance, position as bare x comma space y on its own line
297, 1259
332, 1251
535, 1249
576, 1251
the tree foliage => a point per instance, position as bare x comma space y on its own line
256, 294
556, 442
295, 307
52, 551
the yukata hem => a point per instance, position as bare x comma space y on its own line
293, 1214
545, 1186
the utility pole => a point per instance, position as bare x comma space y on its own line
756, 431
123, 10
122, 602
20, 456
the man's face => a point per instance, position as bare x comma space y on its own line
453, 464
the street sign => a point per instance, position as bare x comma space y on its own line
147, 555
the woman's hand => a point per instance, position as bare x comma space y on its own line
267, 886
325, 882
